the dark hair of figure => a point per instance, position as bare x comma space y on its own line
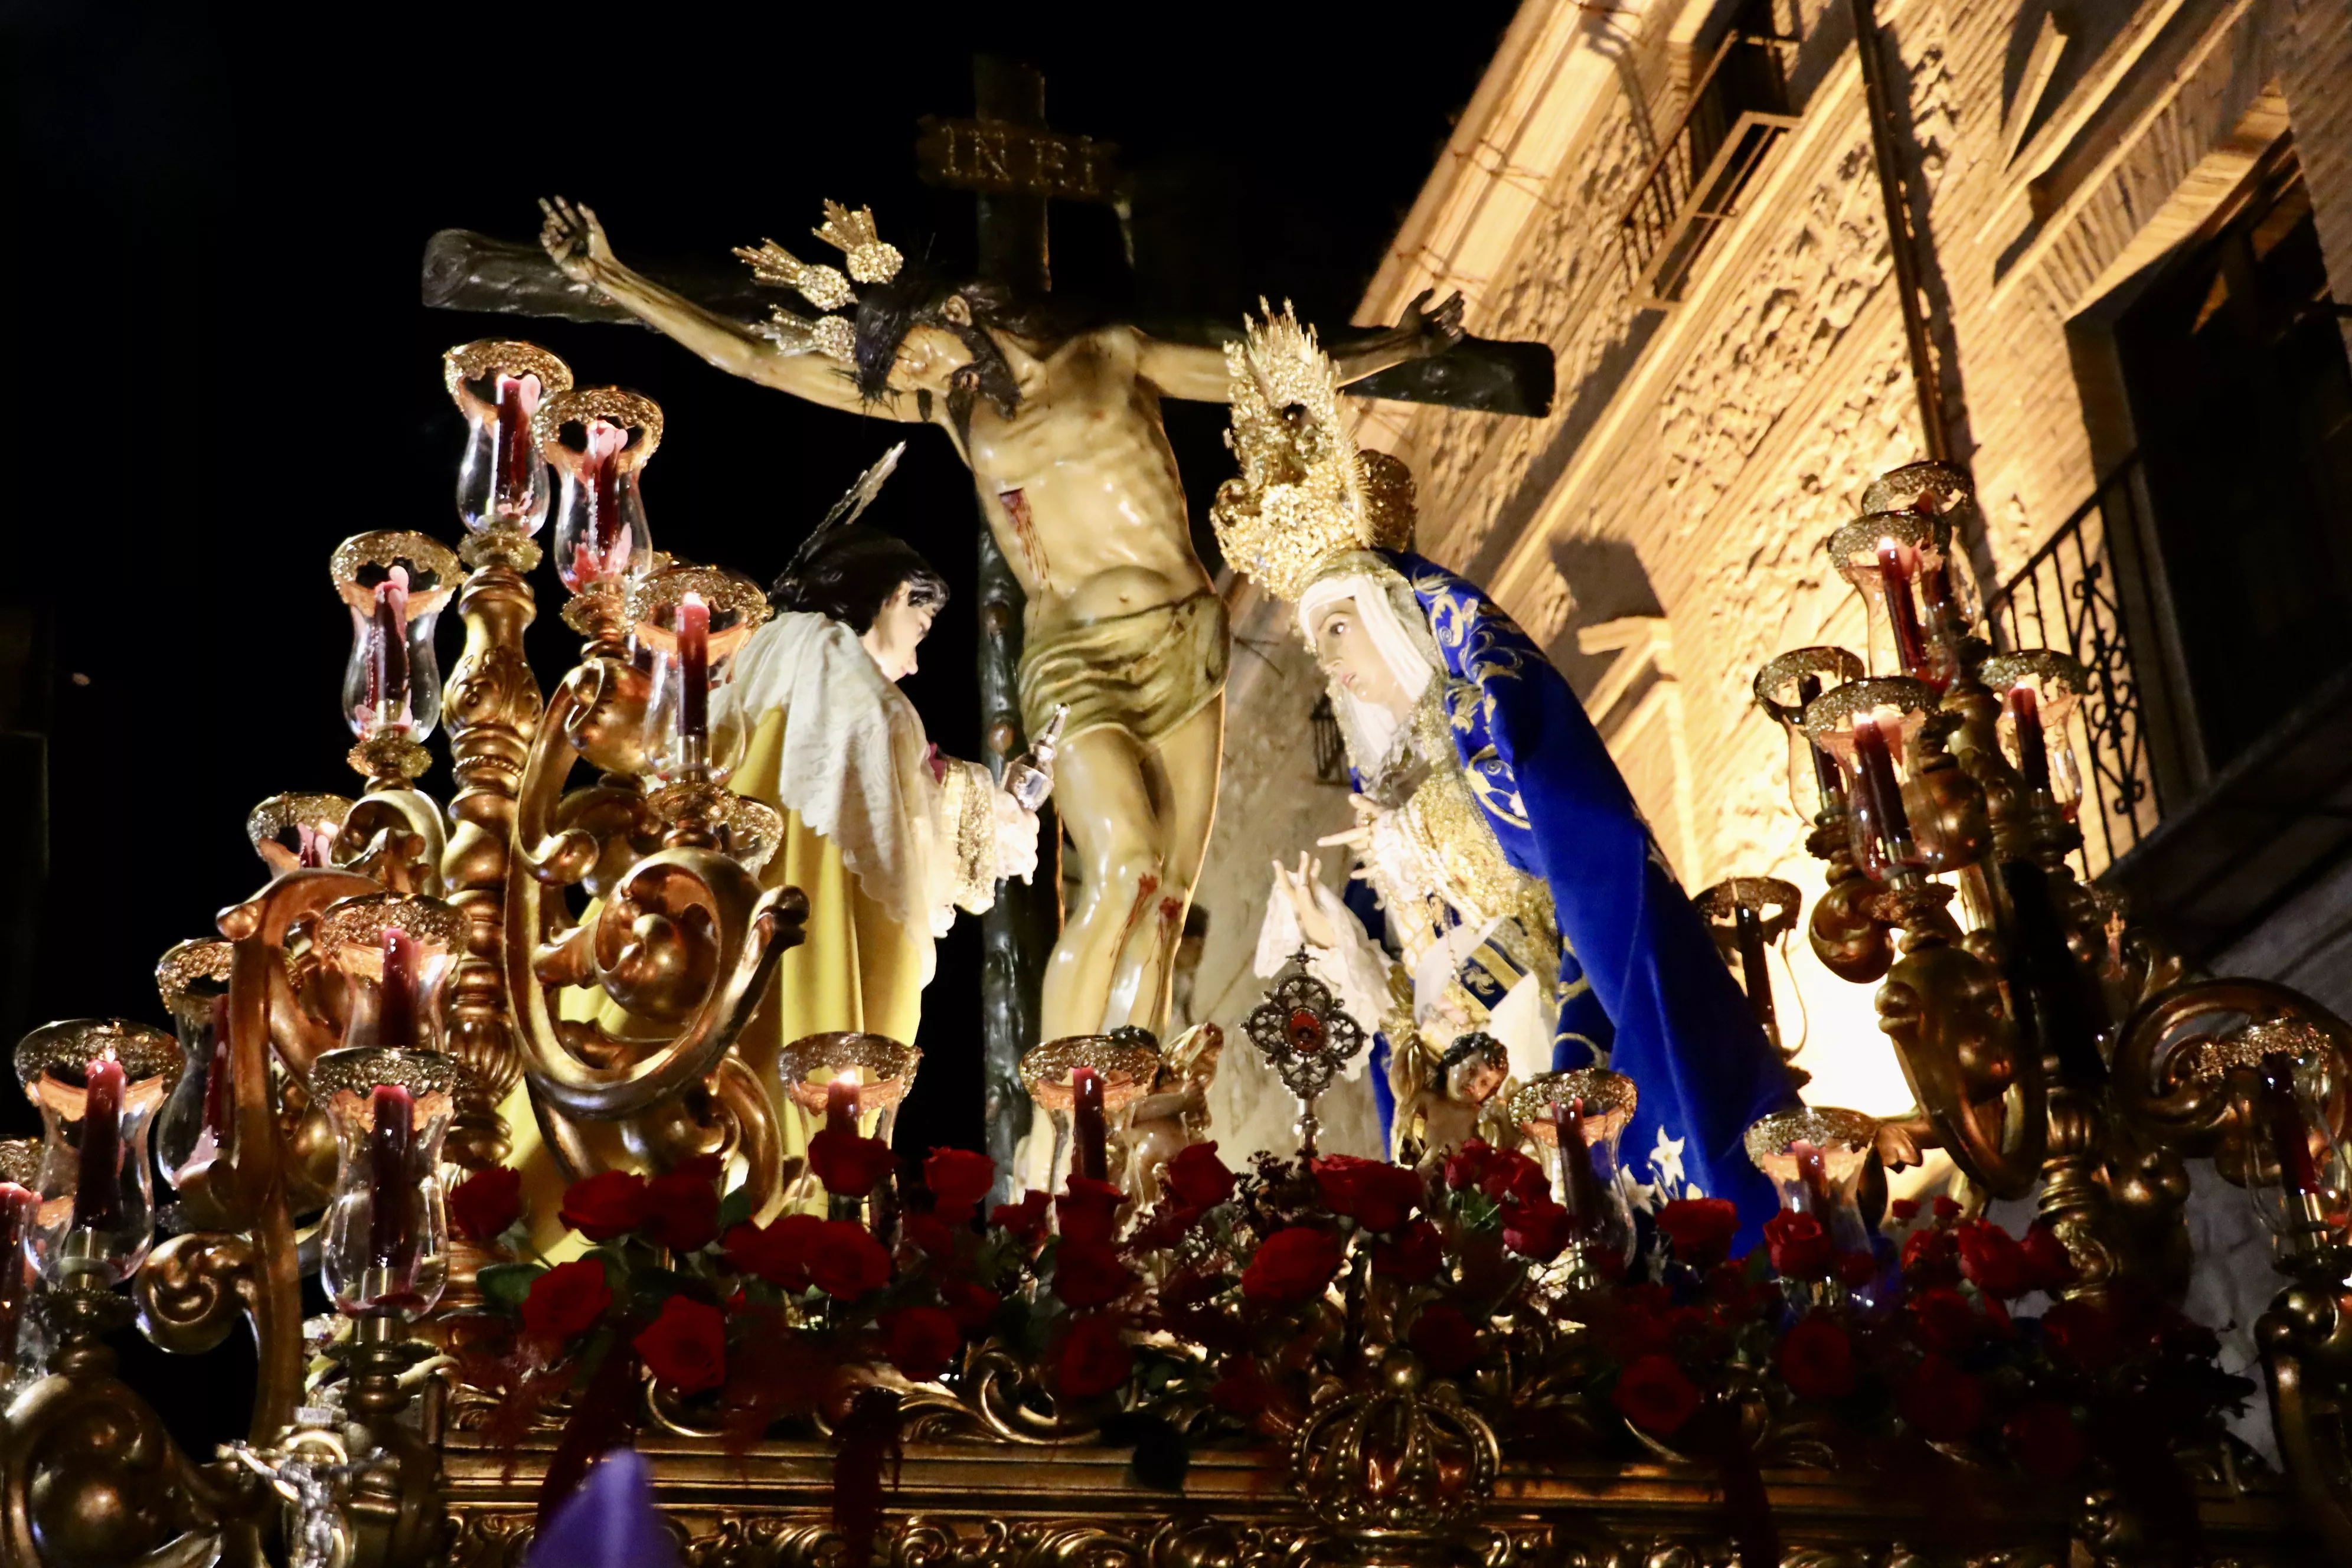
851, 573
1478, 1043
918, 297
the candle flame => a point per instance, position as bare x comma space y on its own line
847, 1075
1887, 543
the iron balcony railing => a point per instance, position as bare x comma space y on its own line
1738, 110
2074, 596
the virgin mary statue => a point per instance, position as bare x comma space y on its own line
1524, 895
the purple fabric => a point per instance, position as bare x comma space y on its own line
610, 1523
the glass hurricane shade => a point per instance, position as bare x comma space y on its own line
19, 1208
1867, 727
396, 585
1576, 1120
502, 481
97, 1084
2287, 1084
1815, 1159
1782, 688
394, 954
193, 1126
687, 622
2039, 693
384, 1246
1917, 596
599, 516
498, 384
1755, 946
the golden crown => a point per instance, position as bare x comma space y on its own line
1305, 494
869, 258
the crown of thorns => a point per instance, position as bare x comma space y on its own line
868, 259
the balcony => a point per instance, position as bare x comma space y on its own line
2247, 864
1738, 110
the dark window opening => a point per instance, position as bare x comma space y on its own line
2241, 399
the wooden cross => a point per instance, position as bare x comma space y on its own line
1015, 166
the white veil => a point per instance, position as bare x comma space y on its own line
1396, 632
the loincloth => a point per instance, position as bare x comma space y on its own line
1144, 673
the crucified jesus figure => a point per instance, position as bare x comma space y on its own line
1059, 421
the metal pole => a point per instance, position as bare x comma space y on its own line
1902, 239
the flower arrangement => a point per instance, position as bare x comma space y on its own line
1222, 1315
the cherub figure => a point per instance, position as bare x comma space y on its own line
1446, 1111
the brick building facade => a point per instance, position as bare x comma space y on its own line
1680, 200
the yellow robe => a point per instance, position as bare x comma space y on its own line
856, 968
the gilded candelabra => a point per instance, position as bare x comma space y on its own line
2053, 1048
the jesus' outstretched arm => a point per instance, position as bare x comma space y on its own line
576, 241
1181, 370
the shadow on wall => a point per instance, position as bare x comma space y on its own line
1593, 580
1595, 389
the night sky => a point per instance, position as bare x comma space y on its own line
221, 367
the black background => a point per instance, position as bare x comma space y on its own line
218, 365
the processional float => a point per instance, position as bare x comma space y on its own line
1184, 1365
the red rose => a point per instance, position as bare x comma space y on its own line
1947, 1208
1291, 1266
2084, 1332
1480, 1166
1629, 1334
609, 1204
1094, 1360
1654, 1395
1942, 1403
1800, 1247
1537, 1229
922, 1341
959, 1179
1931, 1252
1992, 1260
847, 1164
777, 1252
1817, 1360
1089, 1211
1856, 1270
928, 1231
1166, 1226
2048, 1263
702, 1167
1198, 1178
1089, 1274
1466, 1165
1444, 1340
1944, 1320
1499, 1172
971, 1306
685, 1347
681, 1212
1728, 1288
2045, 1439
1414, 1255
1700, 1228
483, 1204
1241, 1389
1904, 1210
1375, 1194
566, 1299
1026, 1219
845, 1261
